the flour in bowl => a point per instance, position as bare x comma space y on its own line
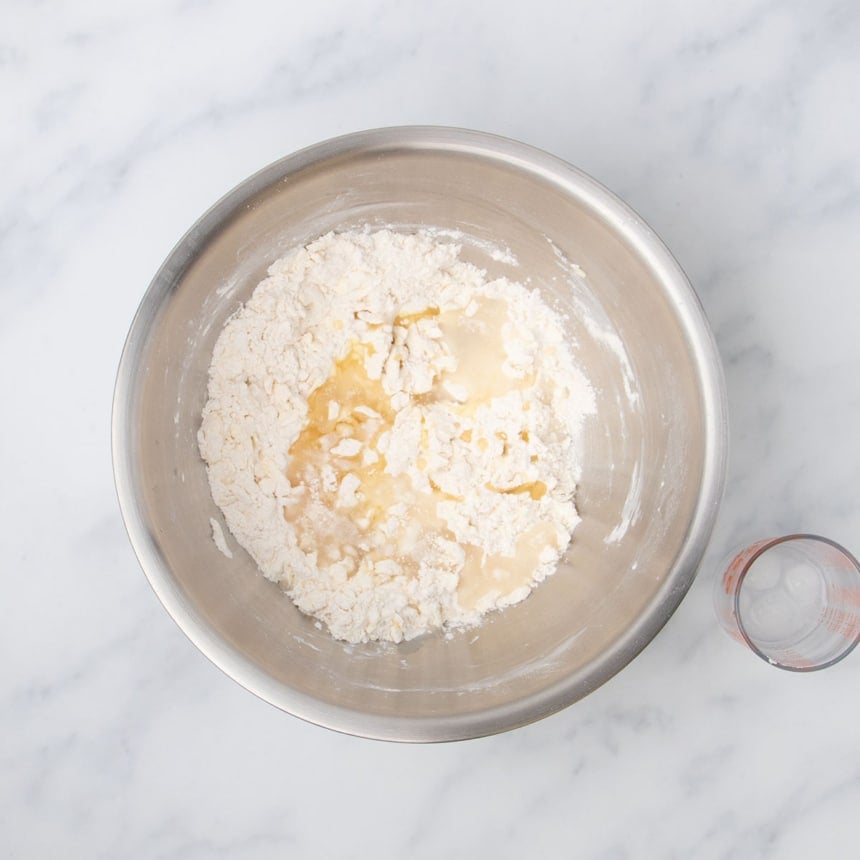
394, 438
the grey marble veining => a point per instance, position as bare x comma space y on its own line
731, 127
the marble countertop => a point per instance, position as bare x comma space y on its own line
731, 127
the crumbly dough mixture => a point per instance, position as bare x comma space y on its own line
392, 437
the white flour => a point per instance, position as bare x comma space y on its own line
393, 438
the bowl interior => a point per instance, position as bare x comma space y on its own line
650, 454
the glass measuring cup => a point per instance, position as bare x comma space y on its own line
794, 600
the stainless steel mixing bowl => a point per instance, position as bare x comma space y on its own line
654, 455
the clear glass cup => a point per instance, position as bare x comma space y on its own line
793, 600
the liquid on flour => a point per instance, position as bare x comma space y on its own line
392, 437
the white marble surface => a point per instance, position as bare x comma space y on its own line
732, 127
